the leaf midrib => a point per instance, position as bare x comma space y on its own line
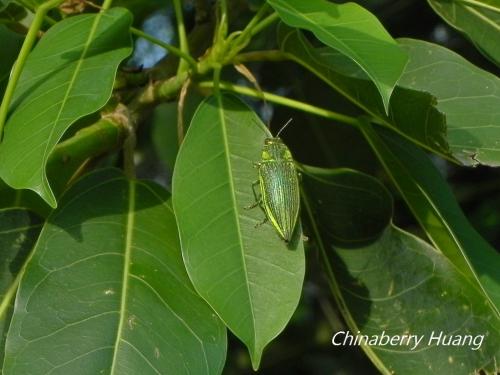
126, 271
233, 200
65, 98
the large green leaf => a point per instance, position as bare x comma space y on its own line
69, 74
106, 290
19, 230
437, 211
11, 45
251, 278
412, 113
442, 102
353, 31
466, 94
478, 19
397, 285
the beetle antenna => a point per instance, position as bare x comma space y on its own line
284, 127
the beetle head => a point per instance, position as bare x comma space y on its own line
273, 140
275, 150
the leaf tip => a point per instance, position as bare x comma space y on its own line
45, 192
255, 357
386, 99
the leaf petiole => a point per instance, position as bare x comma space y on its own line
248, 31
277, 99
170, 48
107, 4
269, 20
181, 30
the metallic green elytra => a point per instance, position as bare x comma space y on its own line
279, 187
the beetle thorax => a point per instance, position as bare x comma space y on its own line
275, 150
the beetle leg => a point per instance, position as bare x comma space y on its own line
261, 222
258, 198
250, 206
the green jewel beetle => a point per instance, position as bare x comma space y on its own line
279, 186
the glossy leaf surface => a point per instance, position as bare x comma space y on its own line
106, 290
413, 114
69, 74
353, 31
458, 119
471, 103
250, 277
